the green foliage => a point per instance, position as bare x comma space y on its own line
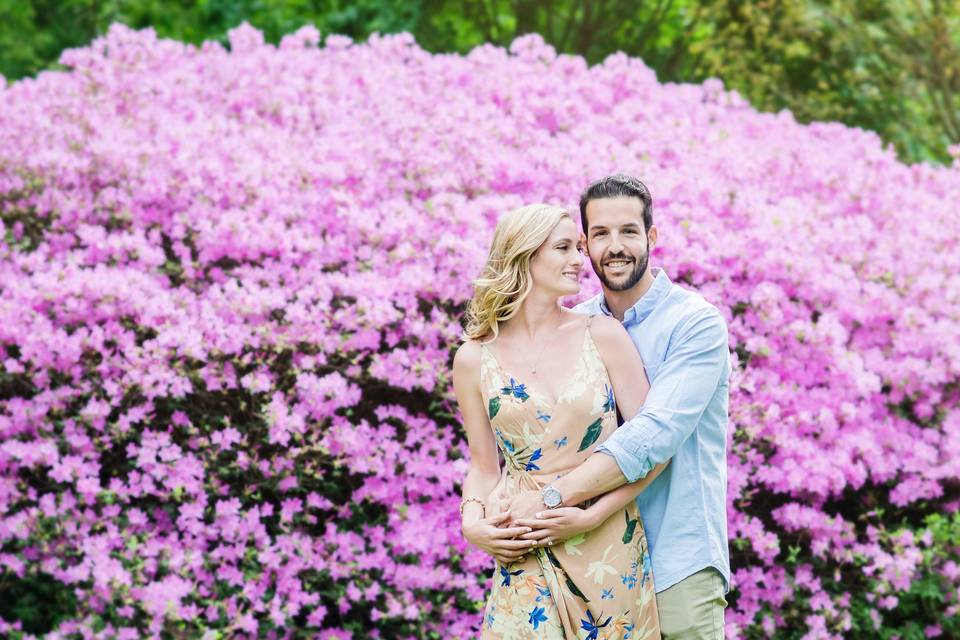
893, 67
38, 601
930, 596
32, 34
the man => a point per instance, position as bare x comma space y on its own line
683, 342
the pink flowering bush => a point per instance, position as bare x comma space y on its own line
231, 283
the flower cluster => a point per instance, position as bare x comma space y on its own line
231, 281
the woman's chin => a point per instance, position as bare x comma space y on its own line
571, 290
567, 289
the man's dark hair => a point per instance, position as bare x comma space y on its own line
618, 186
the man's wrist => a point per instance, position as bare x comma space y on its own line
566, 493
551, 497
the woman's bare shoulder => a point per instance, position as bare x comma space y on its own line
609, 335
467, 357
606, 327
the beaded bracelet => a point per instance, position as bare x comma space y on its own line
464, 502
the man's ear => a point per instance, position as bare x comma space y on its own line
652, 236
583, 243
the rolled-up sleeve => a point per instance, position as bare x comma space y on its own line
682, 388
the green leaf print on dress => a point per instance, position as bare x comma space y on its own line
631, 527
593, 432
494, 407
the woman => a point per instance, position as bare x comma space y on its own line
538, 382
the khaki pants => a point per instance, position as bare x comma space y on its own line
693, 608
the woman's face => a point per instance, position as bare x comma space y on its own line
555, 267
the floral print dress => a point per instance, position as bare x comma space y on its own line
596, 585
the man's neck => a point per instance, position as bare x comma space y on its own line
620, 301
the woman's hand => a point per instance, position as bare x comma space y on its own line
501, 543
551, 526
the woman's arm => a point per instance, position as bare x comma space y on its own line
630, 387
479, 528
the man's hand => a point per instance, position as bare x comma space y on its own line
525, 506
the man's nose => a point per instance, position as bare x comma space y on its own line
616, 246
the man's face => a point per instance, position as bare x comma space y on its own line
618, 245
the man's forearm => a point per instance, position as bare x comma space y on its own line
597, 475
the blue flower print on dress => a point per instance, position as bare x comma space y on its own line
560, 442
516, 390
542, 417
542, 592
646, 569
508, 575
629, 580
607, 594
537, 616
609, 404
531, 463
592, 626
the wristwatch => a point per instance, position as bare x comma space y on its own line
551, 496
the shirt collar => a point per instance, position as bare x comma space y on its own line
647, 302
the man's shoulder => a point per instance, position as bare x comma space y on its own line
690, 311
688, 305
590, 306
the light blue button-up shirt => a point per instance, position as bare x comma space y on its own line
682, 339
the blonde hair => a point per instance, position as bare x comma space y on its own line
505, 280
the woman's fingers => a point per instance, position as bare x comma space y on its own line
512, 544
537, 534
510, 554
499, 518
507, 559
541, 523
508, 532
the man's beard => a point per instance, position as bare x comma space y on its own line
632, 278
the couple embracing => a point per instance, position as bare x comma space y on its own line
598, 531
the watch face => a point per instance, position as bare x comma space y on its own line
551, 497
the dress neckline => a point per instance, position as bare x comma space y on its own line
536, 392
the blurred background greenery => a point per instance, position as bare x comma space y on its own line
892, 66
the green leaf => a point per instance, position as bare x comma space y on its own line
593, 432
631, 528
494, 406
